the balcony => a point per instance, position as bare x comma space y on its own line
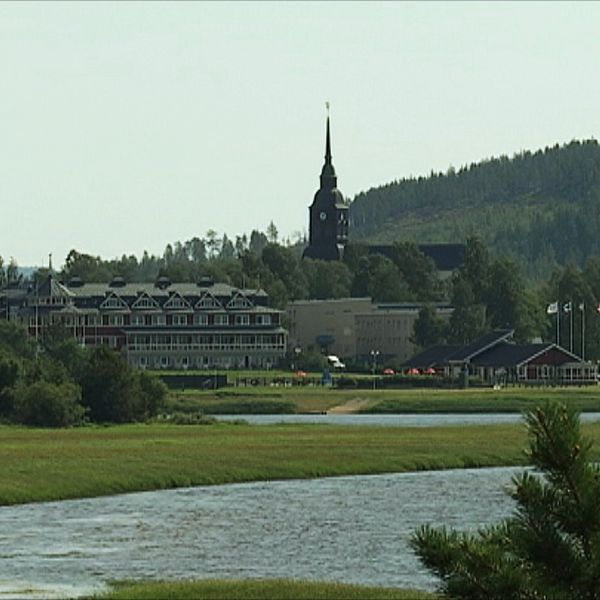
205, 347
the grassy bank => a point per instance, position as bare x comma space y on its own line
512, 399
38, 465
277, 589
276, 400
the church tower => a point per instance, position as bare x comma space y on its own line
328, 225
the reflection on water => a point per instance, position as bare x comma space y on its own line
348, 529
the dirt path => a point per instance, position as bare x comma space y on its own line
353, 405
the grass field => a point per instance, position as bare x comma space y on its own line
276, 589
39, 464
308, 399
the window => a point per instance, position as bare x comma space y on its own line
208, 301
180, 320
239, 301
263, 319
201, 319
113, 302
138, 320
176, 302
221, 319
115, 320
242, 319
159, 320
144, 301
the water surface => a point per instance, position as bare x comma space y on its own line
395, 420
348, 529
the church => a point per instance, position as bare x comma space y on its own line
329, 222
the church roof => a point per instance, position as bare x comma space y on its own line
447, 257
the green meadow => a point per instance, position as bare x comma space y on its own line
305, 399
275, 589
45, 464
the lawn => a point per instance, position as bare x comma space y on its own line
276, 589
42, 464
307, 399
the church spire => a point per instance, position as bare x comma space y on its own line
328, 224
328, 176
328, 142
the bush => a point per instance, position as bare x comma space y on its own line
180, 418
116, 393
111, 389
154, 393
10, 371
44, 404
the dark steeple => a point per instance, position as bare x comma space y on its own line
328, 176
328, 226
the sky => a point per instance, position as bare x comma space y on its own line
126, 126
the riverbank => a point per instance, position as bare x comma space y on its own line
41, 464
276, 589
310, 399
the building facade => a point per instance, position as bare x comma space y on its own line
354, 328
325, 325
495, 359
387, 330
161, 325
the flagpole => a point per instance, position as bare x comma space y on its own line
571, 329
583, 331
558, 324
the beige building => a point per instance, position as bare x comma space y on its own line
315, 325
387, 330
352, 328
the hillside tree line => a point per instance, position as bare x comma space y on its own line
540, 209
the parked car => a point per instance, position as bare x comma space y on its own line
335, 362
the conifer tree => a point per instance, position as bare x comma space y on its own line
550, 548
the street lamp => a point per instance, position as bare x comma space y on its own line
297, 352
374, 355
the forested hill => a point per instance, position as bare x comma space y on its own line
540, 208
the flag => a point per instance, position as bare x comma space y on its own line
567, 307
598, 308
581, 306
552, 309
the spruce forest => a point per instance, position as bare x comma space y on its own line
541, 209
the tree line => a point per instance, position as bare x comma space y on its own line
260, 261
488, 292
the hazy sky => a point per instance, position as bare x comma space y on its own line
126, 126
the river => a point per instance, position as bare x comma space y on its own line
348, 529
395, 420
